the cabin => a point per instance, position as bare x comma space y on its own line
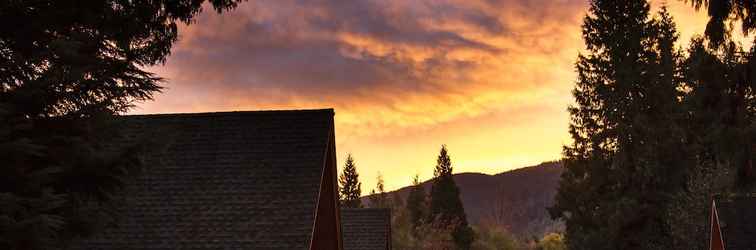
230, 180
733, 223
366, 228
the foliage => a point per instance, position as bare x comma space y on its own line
349, 185
552, 241
722, 104
402, 230
626, 160
721, 21
445, 204
66, 69
721, 131
416, 205
493, 238
431, 235
437, 234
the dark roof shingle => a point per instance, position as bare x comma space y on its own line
230, 180
366, 228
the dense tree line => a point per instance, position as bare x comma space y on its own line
436, 219
423, 221
656, 130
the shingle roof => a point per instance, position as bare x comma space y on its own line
231, 180
737, 216
366, 228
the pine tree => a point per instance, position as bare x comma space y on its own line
627, 157
445, 205
416, 205
349, 185
67, 70
379, 199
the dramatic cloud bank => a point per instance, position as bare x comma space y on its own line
491, 79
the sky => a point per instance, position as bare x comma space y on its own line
489, 79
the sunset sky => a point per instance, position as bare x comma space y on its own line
490, 79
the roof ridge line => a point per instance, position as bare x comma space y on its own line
242, 112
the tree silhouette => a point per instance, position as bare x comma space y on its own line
445, 205
725, 107
66, 69
627, 155
349, 185
721, 13
720, 130
416, 205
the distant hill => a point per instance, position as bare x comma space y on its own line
516, 199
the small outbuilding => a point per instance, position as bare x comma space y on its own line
366, 228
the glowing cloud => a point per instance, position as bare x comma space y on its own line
491, 79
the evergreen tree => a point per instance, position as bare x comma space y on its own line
627, 157
723, 14
416, 205
66, 69
379, 199
727, 105
720, 131
722, 105
445, 206
349, 185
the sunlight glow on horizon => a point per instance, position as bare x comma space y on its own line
493, 87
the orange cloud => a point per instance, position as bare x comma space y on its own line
491, 79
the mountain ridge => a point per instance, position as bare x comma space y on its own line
515, 200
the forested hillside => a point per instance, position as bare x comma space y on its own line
516, 199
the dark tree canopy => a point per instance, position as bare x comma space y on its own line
349, 185
722, 77
445, 205
66, 69
626, 158
416, 206
722, 13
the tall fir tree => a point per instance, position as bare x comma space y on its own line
67, 68
627, 157
416, 205
350, 187
445, 205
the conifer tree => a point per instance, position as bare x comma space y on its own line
349, 185
627, 157
416, 205
445, 205
67, 68
724, 14
720, 131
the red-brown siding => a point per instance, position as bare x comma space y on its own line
327, 231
